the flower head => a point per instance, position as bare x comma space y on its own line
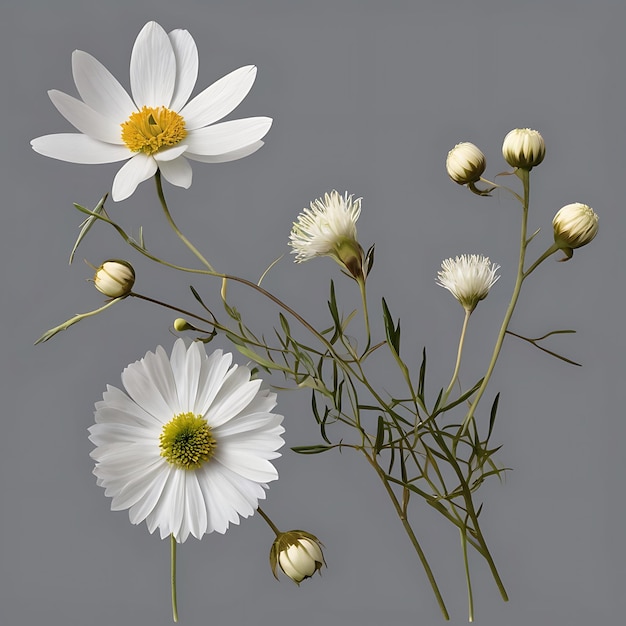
156, 128
468, 278
114, 278
298, 553
575, 225
465, 163
188, 446
328, 228
523, 148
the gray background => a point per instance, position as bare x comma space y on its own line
367, 97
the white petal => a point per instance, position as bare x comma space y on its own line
152, 67
117, 407
76, 148
100, 89
177, 172
150, 383
169, 154
229, 156
218, 100
145, 505
227, 136
85, 119
210, 379
139, 168
248, 465
236, 393
186, 54
195, 519
222, 500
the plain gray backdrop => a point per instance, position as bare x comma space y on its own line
368, 97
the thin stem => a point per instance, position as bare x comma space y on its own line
194, 250
525, 176
173, 577
269, 521
366, 318
411, 534
549, 252
470, 595
458, 358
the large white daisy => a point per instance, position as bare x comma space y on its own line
157, 127
188, 446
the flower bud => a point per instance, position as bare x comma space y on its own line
465, 163
574, 225
298, 553
181, 325
523, 148
114, 278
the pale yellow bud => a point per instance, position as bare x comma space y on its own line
574, 225
181, 325
465, 163
114, 278
298, 553
523, 148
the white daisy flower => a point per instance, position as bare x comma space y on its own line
328, 228
468, 278
188, 446
156, 128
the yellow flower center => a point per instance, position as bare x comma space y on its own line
153, 129
186, 441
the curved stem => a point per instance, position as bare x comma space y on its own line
194, 250
458, 358
173, 577
269, 521
549, 252
366, 318
524, 175
409, 531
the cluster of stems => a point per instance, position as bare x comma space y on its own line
438, 452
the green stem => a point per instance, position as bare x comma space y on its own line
458, 358
173, 577
269, 521
411, 535
470, 595
549, 252
194, 250
525, 177
366, 318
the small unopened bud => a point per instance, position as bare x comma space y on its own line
181, 325
523, 148
114, 278
298, 553
575, 225
465, 163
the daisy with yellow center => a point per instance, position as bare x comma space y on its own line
188, 447
158, 127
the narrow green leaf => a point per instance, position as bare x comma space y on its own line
380, 435
492, 417
86, 225
316, 449
420, 384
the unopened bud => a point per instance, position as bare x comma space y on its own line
465, 163
298, 553
114, 278
523, 148
575, 225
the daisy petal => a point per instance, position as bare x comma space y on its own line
227, 136
218, 100
170, 154
139, 168
229, 156
76, 148
186, 54
85, 119
177, 172
152, 67
99, 89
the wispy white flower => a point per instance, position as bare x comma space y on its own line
468, 278
465, 163
188, 446
156, 128
523, 148
575, 225
328, 228
298, 553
